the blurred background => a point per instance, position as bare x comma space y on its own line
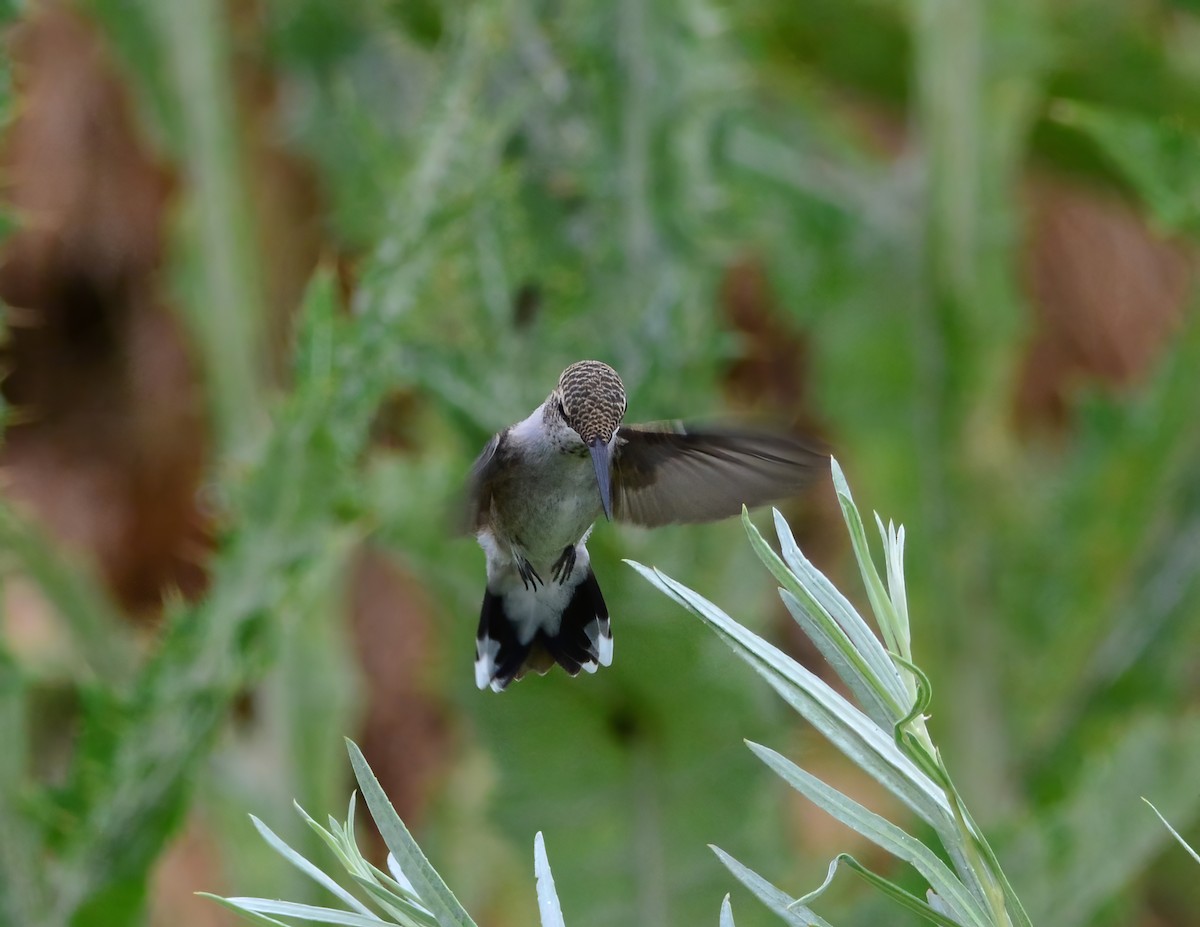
273, 271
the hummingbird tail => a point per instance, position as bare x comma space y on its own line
582, 639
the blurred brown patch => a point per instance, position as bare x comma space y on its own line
191, 860
1107, 293
406, 736
108, 443
405, 733
772, 370
771, 375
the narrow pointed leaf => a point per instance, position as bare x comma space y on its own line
548, 906
893, 891
726, 914
1012, 903
310, 913
881, 604
893, 551
831, 649
841, 610
331, 839
434, 892
253, 917
397, 906
1174, 833
882, 833
277, 844
792, 912
865, 668
866, 744
387, 879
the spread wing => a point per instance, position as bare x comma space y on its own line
666, 474
479, 485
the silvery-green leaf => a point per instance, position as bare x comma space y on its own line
347, 830
398, 906
253, 917
866, 744
938, 903
726, 914
433, 892
965, 907
330, 837
844, 613
881, 604
548, 906
398, 874
831, 649
867, 672
793, 913
310, 913
893, 553
889, 888
277, 844
1174, 833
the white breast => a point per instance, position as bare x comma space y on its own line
550, 500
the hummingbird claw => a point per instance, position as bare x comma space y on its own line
565, 565
529, 576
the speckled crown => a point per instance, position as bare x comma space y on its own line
593, 399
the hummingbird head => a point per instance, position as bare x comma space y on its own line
590, 397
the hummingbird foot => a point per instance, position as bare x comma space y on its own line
565, 565
529, 576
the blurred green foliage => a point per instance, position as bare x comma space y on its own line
598, 166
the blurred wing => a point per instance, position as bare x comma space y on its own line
479, 486
664, 474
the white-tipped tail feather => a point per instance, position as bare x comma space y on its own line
534, 628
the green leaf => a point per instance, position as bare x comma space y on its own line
893, 891
317, 875
851, 731
397, 904
433, 892
833, 648
793, 912
966, 907
860, 662
305, 912
893, 547
227, 318
846, 615
253, 916
881, 603
331, 840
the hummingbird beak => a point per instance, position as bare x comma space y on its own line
601, 458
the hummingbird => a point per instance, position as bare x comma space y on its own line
537, 489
